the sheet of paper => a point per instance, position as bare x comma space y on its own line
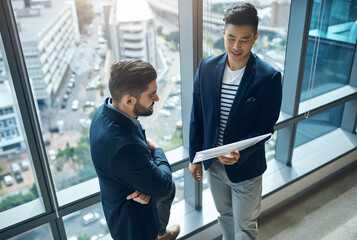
221, 150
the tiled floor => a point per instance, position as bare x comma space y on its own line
329, 212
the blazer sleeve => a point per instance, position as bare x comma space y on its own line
268, 113
148, 173
196, 122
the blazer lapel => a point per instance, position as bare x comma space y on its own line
218, 85
243, 86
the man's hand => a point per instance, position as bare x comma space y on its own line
229, 159
151, 144
139, 197
196, 171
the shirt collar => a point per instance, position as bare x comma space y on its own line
111, 106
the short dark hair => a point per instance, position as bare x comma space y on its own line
130, 77
242, 14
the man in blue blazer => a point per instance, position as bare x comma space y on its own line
236, 96
134, 175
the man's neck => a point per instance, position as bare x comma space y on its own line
234, 66
124, 110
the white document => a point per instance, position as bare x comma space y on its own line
222, 150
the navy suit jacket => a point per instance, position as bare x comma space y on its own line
124, 163
254, 112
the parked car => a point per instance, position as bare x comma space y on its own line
90, 218
24, 165
64, 104
75, 105
97, 236
15, 167
91, 86
96, 67
54, 129
52, 154
72, 80
18, 177
8, 180
69, 90
88, 104
70, 85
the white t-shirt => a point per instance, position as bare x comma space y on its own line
230, 84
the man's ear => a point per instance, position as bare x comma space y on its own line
256, 36
128, 100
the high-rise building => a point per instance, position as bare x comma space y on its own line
132, 31
280, 13
48, 34
11, 138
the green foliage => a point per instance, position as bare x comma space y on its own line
85, 14
174, 37
68, 152
159, 31
18, 199
219, 44
176, 141
83, 236
101, 87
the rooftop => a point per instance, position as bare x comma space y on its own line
33, 28
133, 11
6, 99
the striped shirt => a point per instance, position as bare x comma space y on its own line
230, 85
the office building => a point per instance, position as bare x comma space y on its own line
313, 45
132, 31
49, 33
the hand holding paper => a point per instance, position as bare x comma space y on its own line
230, 158
221, 150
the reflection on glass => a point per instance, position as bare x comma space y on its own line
42, 232
178, 177
318, 125
270, 147
69, 47
88, 223
17, 178
331, 46
272, 28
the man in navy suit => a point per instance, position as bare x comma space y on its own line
134, 175
236, 96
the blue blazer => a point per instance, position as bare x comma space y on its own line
254, 112
124, 163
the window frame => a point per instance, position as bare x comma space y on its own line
191, 30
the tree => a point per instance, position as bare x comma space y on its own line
159, 30
219, 44
101, 87
18, 199
83, 236
85, 14
173, 37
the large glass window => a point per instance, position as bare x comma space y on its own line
88, 223
331, 46
18, 182
68, 60
42, 232
272, 28
318, 125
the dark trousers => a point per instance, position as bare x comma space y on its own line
163, 205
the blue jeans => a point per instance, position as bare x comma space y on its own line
238, 204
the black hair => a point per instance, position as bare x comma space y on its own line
242, 14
